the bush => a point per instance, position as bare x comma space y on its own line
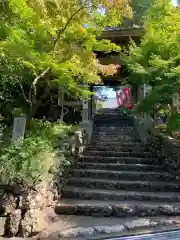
43, 153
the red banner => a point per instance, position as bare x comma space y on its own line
124, 98
120, 98
128, 98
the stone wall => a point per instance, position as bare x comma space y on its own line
26, 212
23, 212
165, 148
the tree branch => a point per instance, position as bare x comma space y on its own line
60, 31
43, 75
23, 93
130, 3
33, 89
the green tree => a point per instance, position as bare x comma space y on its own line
47, 43
139, 9
157, 60
100, 92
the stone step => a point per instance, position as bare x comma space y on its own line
125, 148
105, 195
124, 142
120, 142
145, 186
117, 135
118, 166
112, 118
118, 154
129, 133
112, 129
123, 175
116, 139
116, 209
127, 160
109, 124
119, 116
110, 121
113, 132
114, 121
114, 115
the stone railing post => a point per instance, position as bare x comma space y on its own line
78, 142
87, 123
143, 122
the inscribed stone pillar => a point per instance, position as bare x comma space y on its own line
19, 126
93, 105
85, 115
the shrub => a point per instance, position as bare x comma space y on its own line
43, 154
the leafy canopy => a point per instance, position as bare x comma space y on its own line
157, 60
52, 42
53, 33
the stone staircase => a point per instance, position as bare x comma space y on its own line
118, 176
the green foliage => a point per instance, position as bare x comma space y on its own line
161, 94
140, 8
100, 93
46, 44
156, 60
162, 128
57, 34
174, 123
99, 104
43, 154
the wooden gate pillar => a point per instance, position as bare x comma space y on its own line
85, 110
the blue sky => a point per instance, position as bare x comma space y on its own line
174, 2
110, 93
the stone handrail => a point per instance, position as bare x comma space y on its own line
143, 126
164, 147
78, 142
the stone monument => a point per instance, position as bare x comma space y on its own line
19, 126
